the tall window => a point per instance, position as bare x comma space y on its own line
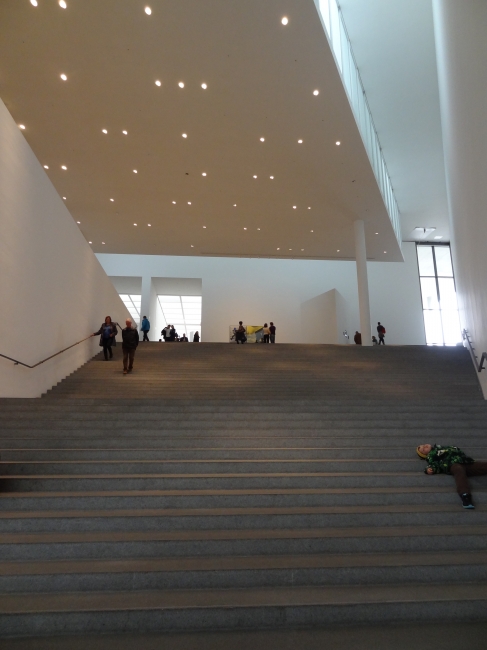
184, 312
440, 309
132, 302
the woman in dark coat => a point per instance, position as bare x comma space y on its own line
108, 331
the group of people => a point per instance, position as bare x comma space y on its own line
381, 332
130, 340
268, 333
170, 335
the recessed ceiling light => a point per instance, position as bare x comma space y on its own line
181, 84
125, 132
311, 230
302, 249
33, 3
174, 202
278, 249
258, 228
64, 198
135, 224
46, 167
271, 177
148, 11
376, 233
64, 167
78, 222
439, 237
185, 135
192, 246
112, 199
284, 20
90, 242
104, 131
245, 228
63, 77
204, 86
203, 174
189, 202
316, 92
234, 205
103, 243
309, 208
255, 176
22, 126
338, 143
338, 250
290, 249
294, 207
134, 170
300, 142
262, 139
62, 4
149, 225
158, 83
385, 252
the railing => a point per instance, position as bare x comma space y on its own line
26, 365
478, 365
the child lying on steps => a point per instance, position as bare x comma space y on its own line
452, 460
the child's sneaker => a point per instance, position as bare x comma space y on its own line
467, 501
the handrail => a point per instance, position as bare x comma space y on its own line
21, 363
478, 365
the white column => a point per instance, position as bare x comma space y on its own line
146, 301
362, 281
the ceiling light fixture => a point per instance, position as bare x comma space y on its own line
284, 20
125, 132
181, 84
33, 3
78, 222
22, 126
234, 205
135, 224
338, 250
189, 202
46, 167
192, 246
385, 252
64, 77
90, 242
302, 249
262, 139
103, 243
62, 4
258, 228
338, 143
204, 226
255, 176
294, 207
204, 86
148, 11
203, 174
158, 83
278, 249
271, 177
311, 230
185, 135
64, 198
376, 233
174, 202
309, 208
104, 131
316, 93
438, 237
149, 225
112, 200
300, 142
134, 170
245, 228
64, 167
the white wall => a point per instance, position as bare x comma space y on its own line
461, 48
258, 290
53, 291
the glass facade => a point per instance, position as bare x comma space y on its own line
184, 312
438, 293
132, 302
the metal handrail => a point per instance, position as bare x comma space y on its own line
21, 363
483, 358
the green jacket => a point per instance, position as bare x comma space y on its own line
441, 458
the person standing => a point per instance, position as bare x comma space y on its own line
196, 337
381, 330
130, 341
272, 332
184, 339
266, 332
357, 338
240, 333
145, 327
108, 331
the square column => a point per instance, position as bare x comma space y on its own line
362, 282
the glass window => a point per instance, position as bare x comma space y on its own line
132, 302
429, 292
443, 261
184, 312
448, 296
425, 260
432, 325
451, 326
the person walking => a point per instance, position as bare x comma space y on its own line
266, 332
108, 331
272, 332
196, 337
173, 334
240, 333
357, 338
145, 327
381, 330
452, 460
130, 341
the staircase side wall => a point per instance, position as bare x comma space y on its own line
53, 290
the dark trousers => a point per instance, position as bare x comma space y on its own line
273, 338
462, 471
381, 339
107, 350
128, 357
266, 338
145, 332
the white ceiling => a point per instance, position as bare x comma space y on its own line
394, 47
260, 75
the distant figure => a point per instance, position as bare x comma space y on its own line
145, 327
173, 334
267, 332
358, 338
374, 340
184, 339
196, 337
108, 331
166, 333
240, 333
272, 332
381, 330
130, 341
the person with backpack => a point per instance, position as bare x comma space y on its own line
144, 328
381, 330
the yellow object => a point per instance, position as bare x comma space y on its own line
423, 456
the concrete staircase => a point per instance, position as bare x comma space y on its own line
282, 491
